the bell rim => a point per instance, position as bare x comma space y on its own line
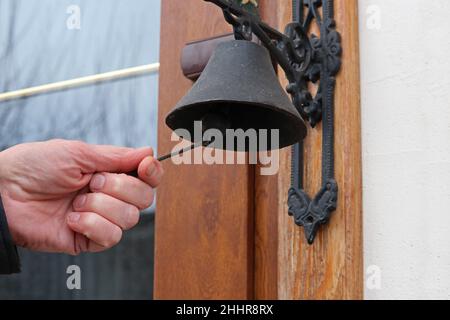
300, 126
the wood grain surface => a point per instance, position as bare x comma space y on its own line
223, 232
332, 268
204, 220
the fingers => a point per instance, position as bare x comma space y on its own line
97, 158
151, 171
83, 244
124, 188
122, 214
98, 221
97, 229
100, 217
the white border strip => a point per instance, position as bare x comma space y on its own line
62, 85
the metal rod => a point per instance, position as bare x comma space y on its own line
180, 152
78, 82
193, 146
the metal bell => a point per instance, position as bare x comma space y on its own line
239, 90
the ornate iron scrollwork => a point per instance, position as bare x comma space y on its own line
326, 62
305, 59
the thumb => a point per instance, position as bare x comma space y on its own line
100, 158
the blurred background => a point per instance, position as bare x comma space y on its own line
40, 44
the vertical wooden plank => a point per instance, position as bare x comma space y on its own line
349, 151
266, 237
266, 207
204, 216
332, 268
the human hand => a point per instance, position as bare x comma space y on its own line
71, 197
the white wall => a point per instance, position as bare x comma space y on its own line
405, 60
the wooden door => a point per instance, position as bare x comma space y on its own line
222, 232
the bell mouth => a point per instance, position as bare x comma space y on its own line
241, 115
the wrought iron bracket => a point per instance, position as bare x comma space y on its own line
292, 50
307, 212
305, 59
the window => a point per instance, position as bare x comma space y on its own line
54, 40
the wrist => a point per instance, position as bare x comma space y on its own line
5, 170
9, 258
3, 193
2, 168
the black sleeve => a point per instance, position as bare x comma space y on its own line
9, 258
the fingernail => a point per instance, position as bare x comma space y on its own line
98, 182
80, 201
151, 169
74, 217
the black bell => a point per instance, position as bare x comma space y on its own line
239, 90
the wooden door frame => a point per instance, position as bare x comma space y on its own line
222, 243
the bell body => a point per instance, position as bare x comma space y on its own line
239, 90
